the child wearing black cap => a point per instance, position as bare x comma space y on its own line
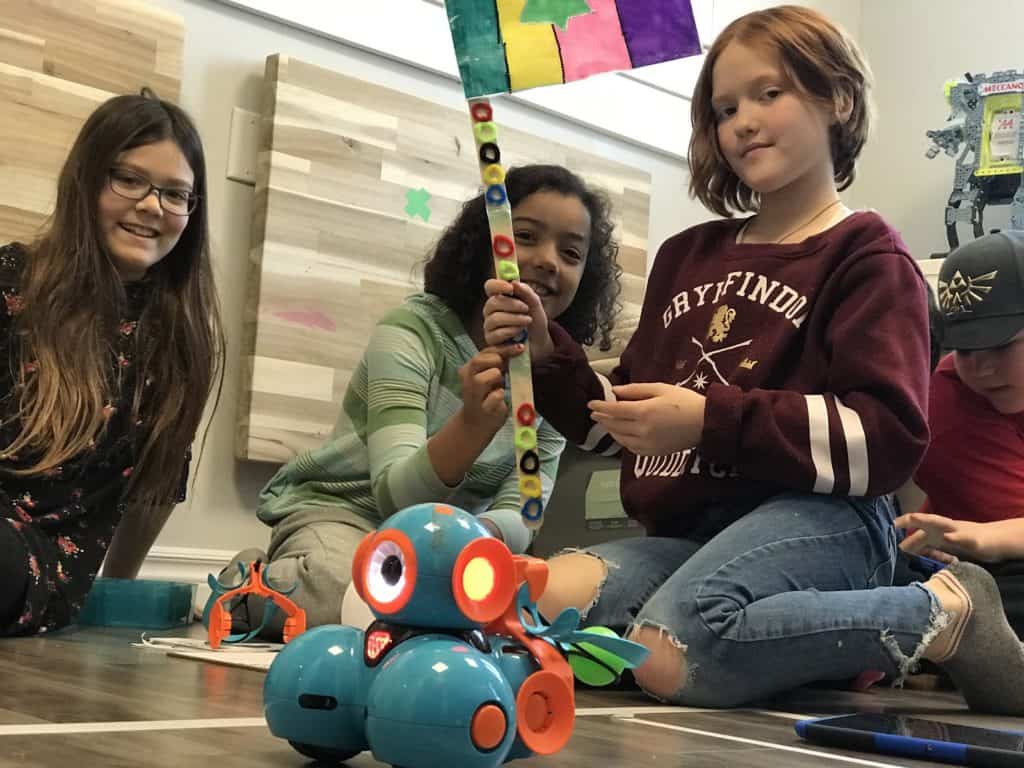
973, 471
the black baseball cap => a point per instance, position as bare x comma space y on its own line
981, 292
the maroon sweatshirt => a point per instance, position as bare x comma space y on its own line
813, 357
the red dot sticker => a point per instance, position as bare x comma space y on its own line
503, 246
525, 415
481, 112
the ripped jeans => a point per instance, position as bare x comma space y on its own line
795, 590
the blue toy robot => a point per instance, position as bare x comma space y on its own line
448, 675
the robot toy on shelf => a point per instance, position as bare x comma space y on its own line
985, 136
458, 670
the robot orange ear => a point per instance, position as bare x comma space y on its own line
483, 580
359, 562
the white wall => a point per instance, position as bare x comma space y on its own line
845, 13
914, 46
224, 57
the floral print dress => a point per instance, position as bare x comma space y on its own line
66, 518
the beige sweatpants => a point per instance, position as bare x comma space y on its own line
312, 551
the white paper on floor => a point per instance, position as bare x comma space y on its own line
258, 656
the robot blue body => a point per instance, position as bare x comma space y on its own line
448, 675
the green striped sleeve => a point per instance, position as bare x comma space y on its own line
401, 360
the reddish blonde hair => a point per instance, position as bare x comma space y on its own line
822, 63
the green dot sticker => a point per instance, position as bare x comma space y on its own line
508, 270
526, 438
486, 133
600, 667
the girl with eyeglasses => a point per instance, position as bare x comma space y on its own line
111, 342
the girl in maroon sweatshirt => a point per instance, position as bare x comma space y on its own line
771, 401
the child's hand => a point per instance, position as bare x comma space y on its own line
652, 419
509, 309
483, 391
944, 539
455, 448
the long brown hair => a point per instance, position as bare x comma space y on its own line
74, 298
821, 62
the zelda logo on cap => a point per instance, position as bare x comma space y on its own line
961, 294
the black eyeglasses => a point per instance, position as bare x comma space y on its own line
131, 185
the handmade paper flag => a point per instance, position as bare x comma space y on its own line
510, 45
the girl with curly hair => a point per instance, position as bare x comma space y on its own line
425, 415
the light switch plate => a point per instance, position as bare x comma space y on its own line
602, 499
243, 145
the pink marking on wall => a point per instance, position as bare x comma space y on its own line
309, 319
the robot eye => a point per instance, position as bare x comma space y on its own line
483, 580
388, 571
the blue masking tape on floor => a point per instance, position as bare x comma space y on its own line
139, 603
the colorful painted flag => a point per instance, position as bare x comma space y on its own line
510, 45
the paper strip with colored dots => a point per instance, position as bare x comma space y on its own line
506, 266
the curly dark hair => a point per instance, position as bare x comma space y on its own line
461, 261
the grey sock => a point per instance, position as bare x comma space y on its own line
988, 664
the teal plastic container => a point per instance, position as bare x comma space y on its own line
138, 603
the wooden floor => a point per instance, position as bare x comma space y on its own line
88, 698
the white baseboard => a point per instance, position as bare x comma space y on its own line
187, 565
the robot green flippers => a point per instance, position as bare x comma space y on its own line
597, 655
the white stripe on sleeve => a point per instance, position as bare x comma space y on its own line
821, 450
597, 432
856, 448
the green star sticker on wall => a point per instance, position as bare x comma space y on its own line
553, 11
416, 203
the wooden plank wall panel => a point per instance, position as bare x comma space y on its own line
114, 45
58, 62
23, 51
39, 119
333, 248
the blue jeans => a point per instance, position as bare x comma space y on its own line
795, 590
